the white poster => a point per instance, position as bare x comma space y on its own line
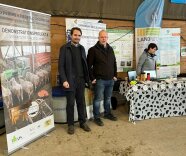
145, 36
168, 54
25, 75
122, 44
90, 30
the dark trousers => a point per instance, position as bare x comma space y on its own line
78, 95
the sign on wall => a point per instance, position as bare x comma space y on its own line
145, 36
179, 1
168, 54
90, 30
122, 44
183, 51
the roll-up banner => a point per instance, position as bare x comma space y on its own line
25, 75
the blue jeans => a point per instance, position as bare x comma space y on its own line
102, 91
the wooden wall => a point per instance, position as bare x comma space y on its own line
58, 38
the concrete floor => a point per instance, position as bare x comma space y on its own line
155, 137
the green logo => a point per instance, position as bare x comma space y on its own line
15, 139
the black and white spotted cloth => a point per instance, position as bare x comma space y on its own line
155, 100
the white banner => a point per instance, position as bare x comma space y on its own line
31, 132
144, 36
25, 75
90, 30
168, 54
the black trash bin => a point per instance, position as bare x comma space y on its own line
114, 100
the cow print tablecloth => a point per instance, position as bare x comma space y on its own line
155, 100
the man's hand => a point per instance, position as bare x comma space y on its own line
66, 84
94, 81
115, 78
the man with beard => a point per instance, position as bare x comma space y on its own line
73, 72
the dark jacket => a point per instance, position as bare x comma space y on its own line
101, 62
66, 68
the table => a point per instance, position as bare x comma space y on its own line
155, 100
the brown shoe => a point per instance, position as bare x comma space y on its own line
71, 129
85, 127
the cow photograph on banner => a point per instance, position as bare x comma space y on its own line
25, 75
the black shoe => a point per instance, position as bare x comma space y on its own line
98, 121
71, 129
110, 117
85, 127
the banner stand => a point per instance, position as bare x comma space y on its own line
25, 55
26, 148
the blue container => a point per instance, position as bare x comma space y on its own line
1, 104
58, 91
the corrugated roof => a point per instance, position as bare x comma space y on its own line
109, 9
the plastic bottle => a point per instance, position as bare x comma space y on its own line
148, 76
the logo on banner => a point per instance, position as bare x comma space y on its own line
33, 109
32, 130
39, 126
48, 123
15, 139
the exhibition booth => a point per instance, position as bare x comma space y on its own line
30, 106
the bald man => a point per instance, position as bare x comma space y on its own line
103, 72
